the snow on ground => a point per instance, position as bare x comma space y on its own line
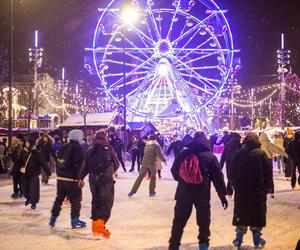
141, 222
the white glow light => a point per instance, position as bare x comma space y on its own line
163, 69
129, 15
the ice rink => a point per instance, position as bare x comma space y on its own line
141, 222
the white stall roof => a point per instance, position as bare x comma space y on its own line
95, 119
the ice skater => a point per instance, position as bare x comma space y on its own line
14, 154
194, 169
101, 164
252, 179
69, 161
152, 152
30, 165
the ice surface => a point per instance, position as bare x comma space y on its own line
141, 222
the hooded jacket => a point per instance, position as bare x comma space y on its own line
152, 152
210, 170
251, 176
71, 157
100, 160
230, 149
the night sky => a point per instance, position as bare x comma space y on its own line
67, 27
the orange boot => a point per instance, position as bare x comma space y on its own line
94, 228
101, 228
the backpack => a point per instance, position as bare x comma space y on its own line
189, 170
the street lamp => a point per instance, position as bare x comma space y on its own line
129, 16
11, 70
63, 82
283, 57
36, 56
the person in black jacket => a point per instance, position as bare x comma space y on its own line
251, 177
135, 151
101, 163
32, 160
230, 148
293, 150
198, 195
45, 146
69, 161
117, 144
14, 154
176, 146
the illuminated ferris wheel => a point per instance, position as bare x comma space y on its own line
175, 56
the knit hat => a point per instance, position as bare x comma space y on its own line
152, 138
75, 135
290, 132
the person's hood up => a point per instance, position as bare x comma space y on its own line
101, 138
198, 146
75, 135
251, 142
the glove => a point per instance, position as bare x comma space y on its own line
224, 202
81, 183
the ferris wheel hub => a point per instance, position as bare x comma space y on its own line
163, 48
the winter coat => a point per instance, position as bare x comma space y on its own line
35, 163
152, 152
187, 139
176, 146
251, 176
230, 148
210, 170
293, 149
14, 155
270, 148
100, 160
69, 161
47, 150
117, 145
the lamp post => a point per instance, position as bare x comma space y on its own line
283, 57
129, 16
11, 71
36, 56
63, 93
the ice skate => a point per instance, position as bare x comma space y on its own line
152, 194
203, 246
76, 223
237, 242
52, 221
130, 194
98, 228
14, 196
259, 242
33, 206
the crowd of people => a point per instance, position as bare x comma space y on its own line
249, 170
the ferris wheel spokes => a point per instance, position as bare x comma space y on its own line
131, 72
192, 50
173, 19
156, 31
143, 35
198, 25
199, 77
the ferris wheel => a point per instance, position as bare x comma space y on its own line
175, 57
